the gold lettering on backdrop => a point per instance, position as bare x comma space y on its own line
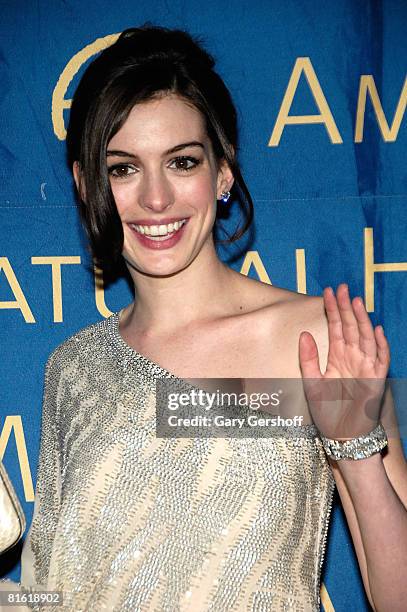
14, 423
252, 258
301, 271
100, 293
367, 84
56, 262
20, 301
371, 268
303, 64
59, 103
325, 599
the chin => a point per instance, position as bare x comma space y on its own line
160, 269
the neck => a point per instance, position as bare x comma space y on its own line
192, 295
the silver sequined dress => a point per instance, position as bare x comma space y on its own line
126, 521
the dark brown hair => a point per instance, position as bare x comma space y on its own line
144, 63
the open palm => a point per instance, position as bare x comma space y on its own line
345, 401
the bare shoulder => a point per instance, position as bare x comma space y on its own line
271, 305
276, 319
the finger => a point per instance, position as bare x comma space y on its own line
350, 328
367, 340
308, 355
334, 318
383, 351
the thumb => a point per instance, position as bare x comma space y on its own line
308, 355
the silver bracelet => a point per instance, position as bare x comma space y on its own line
356, 448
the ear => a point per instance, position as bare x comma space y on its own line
225, 178
77, 175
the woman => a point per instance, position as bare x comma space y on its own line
125, 520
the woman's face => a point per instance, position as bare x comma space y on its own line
165, 182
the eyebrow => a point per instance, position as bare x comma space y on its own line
179, 147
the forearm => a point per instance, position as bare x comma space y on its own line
382, 521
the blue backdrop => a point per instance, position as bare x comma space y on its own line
321, 93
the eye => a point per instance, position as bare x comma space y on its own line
185, 163
121, 170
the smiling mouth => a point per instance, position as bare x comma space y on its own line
159, 233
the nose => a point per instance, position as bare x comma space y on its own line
156, 192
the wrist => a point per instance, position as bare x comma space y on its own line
359, 476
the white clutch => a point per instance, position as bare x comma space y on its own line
12, 519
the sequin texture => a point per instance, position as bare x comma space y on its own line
125, 521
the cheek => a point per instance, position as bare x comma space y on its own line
201, 192
123, 196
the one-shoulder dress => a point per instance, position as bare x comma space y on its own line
127, 521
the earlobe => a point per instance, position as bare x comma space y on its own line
77, 175
76, 172
225, 179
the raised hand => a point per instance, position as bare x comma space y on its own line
345, 401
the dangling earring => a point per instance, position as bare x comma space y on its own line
224, 196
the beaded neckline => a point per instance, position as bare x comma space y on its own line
126, 355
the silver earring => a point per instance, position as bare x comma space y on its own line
224, 196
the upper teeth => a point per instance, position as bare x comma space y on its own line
158, 230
